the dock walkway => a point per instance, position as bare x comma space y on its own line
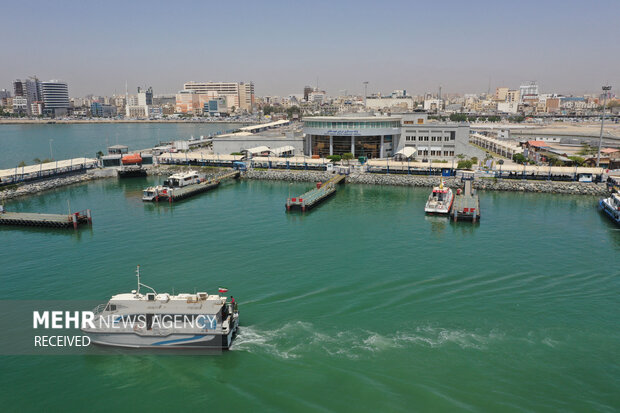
466, 205
315, 195
46, 220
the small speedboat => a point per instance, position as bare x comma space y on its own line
152, 193
156, 320
440, 200
611, 207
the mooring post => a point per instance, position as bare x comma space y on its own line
89, 217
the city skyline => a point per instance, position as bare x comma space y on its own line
566, 47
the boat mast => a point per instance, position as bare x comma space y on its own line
140, 284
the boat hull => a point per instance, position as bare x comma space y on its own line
439, 211
215, 341
609, 211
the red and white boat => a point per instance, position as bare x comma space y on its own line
440, 201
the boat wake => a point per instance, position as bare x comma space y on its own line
296, 339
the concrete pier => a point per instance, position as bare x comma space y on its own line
315, 196
46, 220
466, 205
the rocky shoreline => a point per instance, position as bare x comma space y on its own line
551, 187
46, 185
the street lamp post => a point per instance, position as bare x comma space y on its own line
606, 90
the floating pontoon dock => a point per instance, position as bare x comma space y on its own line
46, 220
466, 206
314, 196
185, 192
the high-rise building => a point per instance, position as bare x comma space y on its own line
55, 97
528, 91
30, 89
307, 91
242, 94
145, 97
138, 105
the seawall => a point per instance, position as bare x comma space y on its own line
552, 187
47, 184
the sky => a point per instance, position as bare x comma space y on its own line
570, 47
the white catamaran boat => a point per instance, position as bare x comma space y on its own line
152, 320
440, 200
611, 206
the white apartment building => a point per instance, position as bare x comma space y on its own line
241, 94
400, 103
528, 90
55, 97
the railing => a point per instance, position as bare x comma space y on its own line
99, 309
41, 174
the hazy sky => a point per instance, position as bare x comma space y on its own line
567, 46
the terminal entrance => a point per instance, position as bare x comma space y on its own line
368, 146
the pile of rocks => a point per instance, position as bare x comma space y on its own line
40, 186
553, 187
288, 175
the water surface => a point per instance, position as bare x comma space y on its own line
362, 304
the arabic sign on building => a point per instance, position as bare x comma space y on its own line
341, 132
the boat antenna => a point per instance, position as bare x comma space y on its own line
140, 284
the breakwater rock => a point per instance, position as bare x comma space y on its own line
45, 185
553, 187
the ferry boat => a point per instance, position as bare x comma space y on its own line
181, 180
154, 320
440, 200
152, 193
178, 186
611, 206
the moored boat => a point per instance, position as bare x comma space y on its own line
152, 193
611, 207
179, 186
440, 200
154, 320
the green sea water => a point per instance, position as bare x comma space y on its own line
363, 304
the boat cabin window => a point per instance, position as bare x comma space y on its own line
110, 307
150, 297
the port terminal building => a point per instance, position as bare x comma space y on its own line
384, 136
